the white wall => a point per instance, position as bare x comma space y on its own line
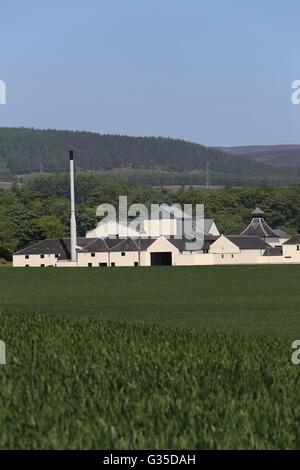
111, 228
156, 228
291, 253
184, 258
242, 257
194, 259
222, 251
214, 230
85, 258
128, 260
67, 264
160, 245
34, 261
223, 245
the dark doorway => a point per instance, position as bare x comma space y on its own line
161, 259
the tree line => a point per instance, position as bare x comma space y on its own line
39, 208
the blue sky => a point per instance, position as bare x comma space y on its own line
217, 72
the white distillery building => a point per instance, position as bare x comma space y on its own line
156, 241
258, 244
165, 221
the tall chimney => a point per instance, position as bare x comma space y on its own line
73, 219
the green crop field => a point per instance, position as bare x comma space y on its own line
158, 358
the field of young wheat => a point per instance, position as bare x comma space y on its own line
87, 384
149, 359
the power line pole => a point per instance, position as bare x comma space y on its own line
207, 175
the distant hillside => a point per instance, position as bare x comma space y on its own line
24, 151
275, 155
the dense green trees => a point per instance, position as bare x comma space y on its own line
142, 160
39, 208
231, 208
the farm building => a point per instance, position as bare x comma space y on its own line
166, 221
158, 241
162, 250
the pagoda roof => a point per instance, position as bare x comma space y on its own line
257, 212
259, 227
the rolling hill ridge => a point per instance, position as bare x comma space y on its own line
25, 151
274, 155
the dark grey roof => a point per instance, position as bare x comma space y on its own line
295, 240
62, 246
248, 243
52, 246
259, 227
127, 244
281, 233
207, 223
181, 243
95, 245
273, 251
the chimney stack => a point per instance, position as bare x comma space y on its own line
73, 219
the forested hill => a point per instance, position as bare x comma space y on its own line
275, 155
24, 151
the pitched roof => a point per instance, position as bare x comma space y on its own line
258, 227
207, 224
248, 242
95, 245
62, 246
295, 240
51, 246
127, 244
281, 233
257, 212
195, 244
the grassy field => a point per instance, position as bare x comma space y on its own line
155, 358
246, 298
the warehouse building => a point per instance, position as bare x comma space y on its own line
162, 250
156, 241
97, 252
